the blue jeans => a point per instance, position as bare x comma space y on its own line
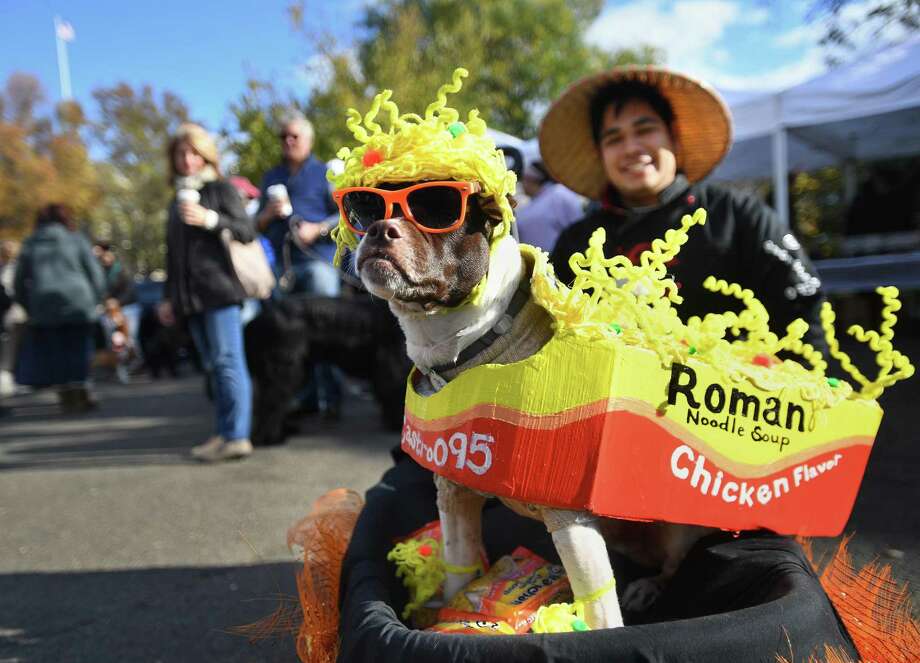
218, 335
316, 277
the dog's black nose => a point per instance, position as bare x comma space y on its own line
385, 229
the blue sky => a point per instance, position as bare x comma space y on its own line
205, 51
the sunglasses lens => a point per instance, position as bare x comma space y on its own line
363, 208
435, 207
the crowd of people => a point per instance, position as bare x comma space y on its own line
70, 309
68, 303
66, 306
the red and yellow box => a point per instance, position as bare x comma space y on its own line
602, 426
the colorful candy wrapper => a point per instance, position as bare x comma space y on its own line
514, 588
472, 623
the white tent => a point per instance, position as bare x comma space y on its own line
868, 109
512, 146
504, 140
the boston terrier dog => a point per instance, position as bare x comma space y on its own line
426, 261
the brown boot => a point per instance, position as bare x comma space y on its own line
67, 399
84, 399
76, 399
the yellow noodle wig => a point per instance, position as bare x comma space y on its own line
437, 146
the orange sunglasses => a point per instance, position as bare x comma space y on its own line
434, 207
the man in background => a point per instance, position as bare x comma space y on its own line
296, 214
639, 140
552, 207
117, 340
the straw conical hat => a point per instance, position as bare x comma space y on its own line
702, 126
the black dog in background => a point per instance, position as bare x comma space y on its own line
357, 334
164, 342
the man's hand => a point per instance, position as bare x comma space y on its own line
274, 209
308, 233
193, 214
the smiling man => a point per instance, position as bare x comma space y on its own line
638, 140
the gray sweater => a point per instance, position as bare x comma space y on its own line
58, 279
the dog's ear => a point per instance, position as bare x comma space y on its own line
490, 208
489, 214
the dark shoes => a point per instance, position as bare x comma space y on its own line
76, 399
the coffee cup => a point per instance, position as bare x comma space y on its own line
279, 192
188, 196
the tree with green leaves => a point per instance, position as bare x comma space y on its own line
133, 130
254, 141
844, 18
521, 54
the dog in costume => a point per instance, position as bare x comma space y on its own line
427, 211
431, 201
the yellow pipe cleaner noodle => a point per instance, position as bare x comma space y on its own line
412, 148
568, 617
612, 300
560, 618
422, 574
610, 297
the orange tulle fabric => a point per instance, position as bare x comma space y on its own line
875, 609
313, 617
324, 537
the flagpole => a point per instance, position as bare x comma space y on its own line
63, 63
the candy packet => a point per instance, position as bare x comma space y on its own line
513, 589
458, 621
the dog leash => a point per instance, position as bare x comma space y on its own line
501, 327
286, 282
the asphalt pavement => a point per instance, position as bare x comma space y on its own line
114, 546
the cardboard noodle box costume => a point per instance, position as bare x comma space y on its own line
594, 438
597, 420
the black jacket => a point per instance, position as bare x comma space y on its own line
742, 242
200, 275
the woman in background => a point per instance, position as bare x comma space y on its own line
59, 283
202, 286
